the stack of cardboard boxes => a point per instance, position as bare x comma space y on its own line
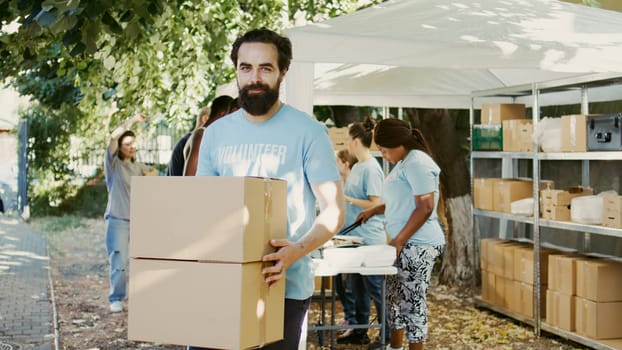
584, 296
509, 120
507, 274
498, 194
195, 268
556, 203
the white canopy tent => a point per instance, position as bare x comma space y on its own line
436, 53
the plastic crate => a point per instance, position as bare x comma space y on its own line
487, 137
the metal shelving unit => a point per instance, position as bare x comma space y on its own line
510, 163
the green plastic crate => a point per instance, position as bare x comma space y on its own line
487, 137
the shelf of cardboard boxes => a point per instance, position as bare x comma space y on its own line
582, 312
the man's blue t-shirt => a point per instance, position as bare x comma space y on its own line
290, 146
417, 174
365, 179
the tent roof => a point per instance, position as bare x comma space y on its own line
435, 53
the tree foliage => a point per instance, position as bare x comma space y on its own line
88, 64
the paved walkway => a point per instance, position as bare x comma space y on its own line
26, 307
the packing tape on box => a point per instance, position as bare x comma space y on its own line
266, 232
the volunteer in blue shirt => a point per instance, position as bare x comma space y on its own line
411, 194
363, 189
268, 138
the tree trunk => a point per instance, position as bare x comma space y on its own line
438, 126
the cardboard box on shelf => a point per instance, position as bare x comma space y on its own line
556, 212
598, 320
551, 197
508, 251
599, 280
497, 261
560, 310
483, 193
214, 305
496, 113
485, 252
523, 264
503, 289
227, 219
574, 133
489, 286
562, 275
338, 137
507, 191
525, 292
517, 135
612, 211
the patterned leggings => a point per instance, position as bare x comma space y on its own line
407, 290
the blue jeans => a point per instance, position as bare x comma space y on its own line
343, 287
117, 247
365, 289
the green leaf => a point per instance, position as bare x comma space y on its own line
112, 24
78, 49
46, 18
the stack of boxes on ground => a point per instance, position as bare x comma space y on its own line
583, 294
195, 268
504, 127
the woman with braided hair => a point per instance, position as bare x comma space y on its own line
410, 198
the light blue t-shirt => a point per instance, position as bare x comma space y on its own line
417, 174
365, 179
290, 146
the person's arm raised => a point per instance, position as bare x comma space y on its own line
119, 130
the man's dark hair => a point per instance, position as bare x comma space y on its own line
220, 106
267, 36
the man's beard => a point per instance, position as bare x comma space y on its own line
259, 104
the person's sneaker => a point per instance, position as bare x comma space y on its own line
345, 333
116, 306
354, 338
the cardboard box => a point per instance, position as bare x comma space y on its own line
485, 252
599, 280
523, 264
517, 135
551, 197
525, 299
612, 211
574, 133
338, 137
483, 193
503, 289
507, 191
513, 296
556, 212
488, 287
562, 275
496, 113
206, 218
497, 258
214, 305
598, 320
560, 310
509, 250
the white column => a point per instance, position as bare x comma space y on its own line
299, 86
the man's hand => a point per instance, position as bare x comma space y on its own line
286, 254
